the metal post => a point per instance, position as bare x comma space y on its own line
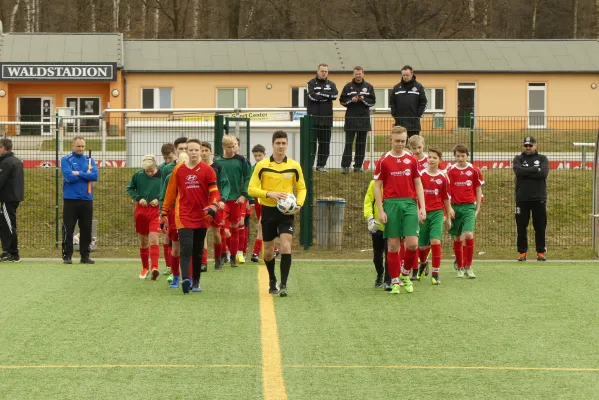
306, 213
57, 138
104, 127
595, 197
472, 137
219, 127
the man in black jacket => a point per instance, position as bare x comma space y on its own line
12, 192
531, 169
321, 93
408, 101
357, 96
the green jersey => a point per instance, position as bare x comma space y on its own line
222, 181
239, 172
145, 187
166, 174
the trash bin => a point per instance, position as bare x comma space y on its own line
330, 216
93, 244
438, 121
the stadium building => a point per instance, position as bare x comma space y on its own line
546, 83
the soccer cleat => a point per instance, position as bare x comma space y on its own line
460, 272
435, 280
186, 285
522, 257
12, 258
272, 287
255, 258
408, 287
345, 170
378, 283
240, 258
414, 275
67, 260
470, 273
455, 265
218, 264
155, 274
174, 283
144, 273
395, 288
234, 263
541, 257
167, 271
170, 278
283, 291
387, 286
87, 260
204, 268
195, 287
422, 267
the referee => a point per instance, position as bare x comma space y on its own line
531, 170
79, 172
273, 179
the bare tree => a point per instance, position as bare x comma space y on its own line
92, 6
116, 4
196, 18
486, 19
156, 22
472, 9
597, 18
535, 4
575, 20
127, 16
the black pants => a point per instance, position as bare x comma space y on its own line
379, 245
8, 228
539, 223
75, 212
413, 133
360, 149
192, 247
322, 135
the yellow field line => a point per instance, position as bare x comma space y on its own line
492, 368
108, 366
273, 384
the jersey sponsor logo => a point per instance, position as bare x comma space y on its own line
436, 192
468, 183
287, 176
406, 172
191, 178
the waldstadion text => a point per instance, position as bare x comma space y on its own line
94, 72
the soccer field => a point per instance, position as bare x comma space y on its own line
518, 331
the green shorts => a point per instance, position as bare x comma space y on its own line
432, 228
402, 218
464, 219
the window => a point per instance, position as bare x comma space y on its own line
156, 98
382, 98
436, 100
231, 98
298, 97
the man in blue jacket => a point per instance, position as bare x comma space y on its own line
79, 172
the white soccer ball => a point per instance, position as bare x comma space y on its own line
288, 204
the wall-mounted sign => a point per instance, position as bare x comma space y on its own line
58, 71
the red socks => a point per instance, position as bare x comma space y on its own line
167, 254
217, 248
415, 263
411, 258
175, 265
144, 254
468, 252
457, 250
423, 254
205, 257
394, 266
240, 238
402, 253
234, 242
436, 248
223, 242
154, 255
257, 247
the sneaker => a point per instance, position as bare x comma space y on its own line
387, 286
422, 267
218, 264
240, 258
195, 287
408, 287
321, 169
272, 287
255, 258
12, 258
144, 273
541, 257
4, 256
186, 285
234, 263
171, 278
378, 283
167, 271
283, 291
522, 257
204, 268
174, 283
155, 274
345, 170
395, 288
435, 280
469, 273
460, 272
87, 260
67, 260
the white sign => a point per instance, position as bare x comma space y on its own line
51, 71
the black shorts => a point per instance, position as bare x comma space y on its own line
274, 223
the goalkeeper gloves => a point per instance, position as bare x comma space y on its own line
210, 212
163, 223
372, 225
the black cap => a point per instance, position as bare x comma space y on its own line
529, 140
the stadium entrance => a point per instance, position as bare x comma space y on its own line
466, 103
34, 109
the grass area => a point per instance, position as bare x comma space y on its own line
548, 140
520, 337
90, 144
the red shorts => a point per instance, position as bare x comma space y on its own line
233, 211
147, 220
257, 209
173, 235
217, 222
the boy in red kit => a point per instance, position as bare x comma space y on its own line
436, 199
192, 186
144, 188
397, 172
465, 189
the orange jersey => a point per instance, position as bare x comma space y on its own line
192, 190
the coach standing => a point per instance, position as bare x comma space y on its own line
79, 172
321, 94
357, 96
531, 170
12, 192
408, 101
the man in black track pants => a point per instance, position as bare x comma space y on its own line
12, 192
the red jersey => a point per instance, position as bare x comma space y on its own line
193, 189
423, 164
436, 190
398, 174
463, 183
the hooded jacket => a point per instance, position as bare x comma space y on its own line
321, 93
408, 101
357, 115
12, 182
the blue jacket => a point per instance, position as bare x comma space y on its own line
74, 187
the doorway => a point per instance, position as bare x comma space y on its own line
34, 109
84, 106
466, 104
537, 105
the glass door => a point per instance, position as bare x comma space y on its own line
34, 109
84, 106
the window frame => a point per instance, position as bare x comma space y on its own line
235, 96
432, 99
156, 98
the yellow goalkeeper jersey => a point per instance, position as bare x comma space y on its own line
271, 176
